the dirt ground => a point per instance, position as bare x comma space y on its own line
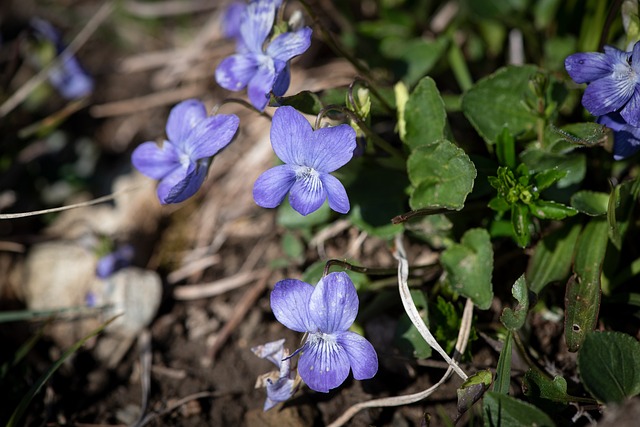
192, 365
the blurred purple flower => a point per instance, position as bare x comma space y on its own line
114, 261
261, 69
281, 389
626, 138
182, 162
309, 156
325, 312
614, 81
69, 78
231, 19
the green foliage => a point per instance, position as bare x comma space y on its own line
496, 102
503, 370
519, 193
513, 319
552, 257
505, 411
609, 366
469, 265
441, 176
583, 290
424, 115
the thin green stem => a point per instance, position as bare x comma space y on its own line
242, 102
459, 67
373, 91
370, 271
377, 140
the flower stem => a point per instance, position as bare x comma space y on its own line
375, 138
242, 102
459, 67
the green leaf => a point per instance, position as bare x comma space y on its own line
520, 223
538, 386
503, 370
505, 411
592, 203
425, 116
514, 319
306, 102
545, 209
441, 174
37, 386
609, 365
418, 55
495, 102
506, 149
469, 265
445, 323
576, 134
582, 299
551, 260
547, 178
575, 164
292, 246
620, 210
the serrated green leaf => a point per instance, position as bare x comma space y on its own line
551, 260
546, 209
513, 319
425, 116
503, 369
592, 203
306, 102
609, 366
582, 299
441, 174
505, 89
469, 265
505, 411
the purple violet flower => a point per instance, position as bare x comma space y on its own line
325, 312
231, 19
182, 162
626, 138
69, 78
261, 69
614, 81
114, 261
281, 388
309, 156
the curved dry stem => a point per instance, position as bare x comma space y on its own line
461, 345
68, 207
411, 309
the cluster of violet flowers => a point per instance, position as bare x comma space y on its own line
261, 64
612, 93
